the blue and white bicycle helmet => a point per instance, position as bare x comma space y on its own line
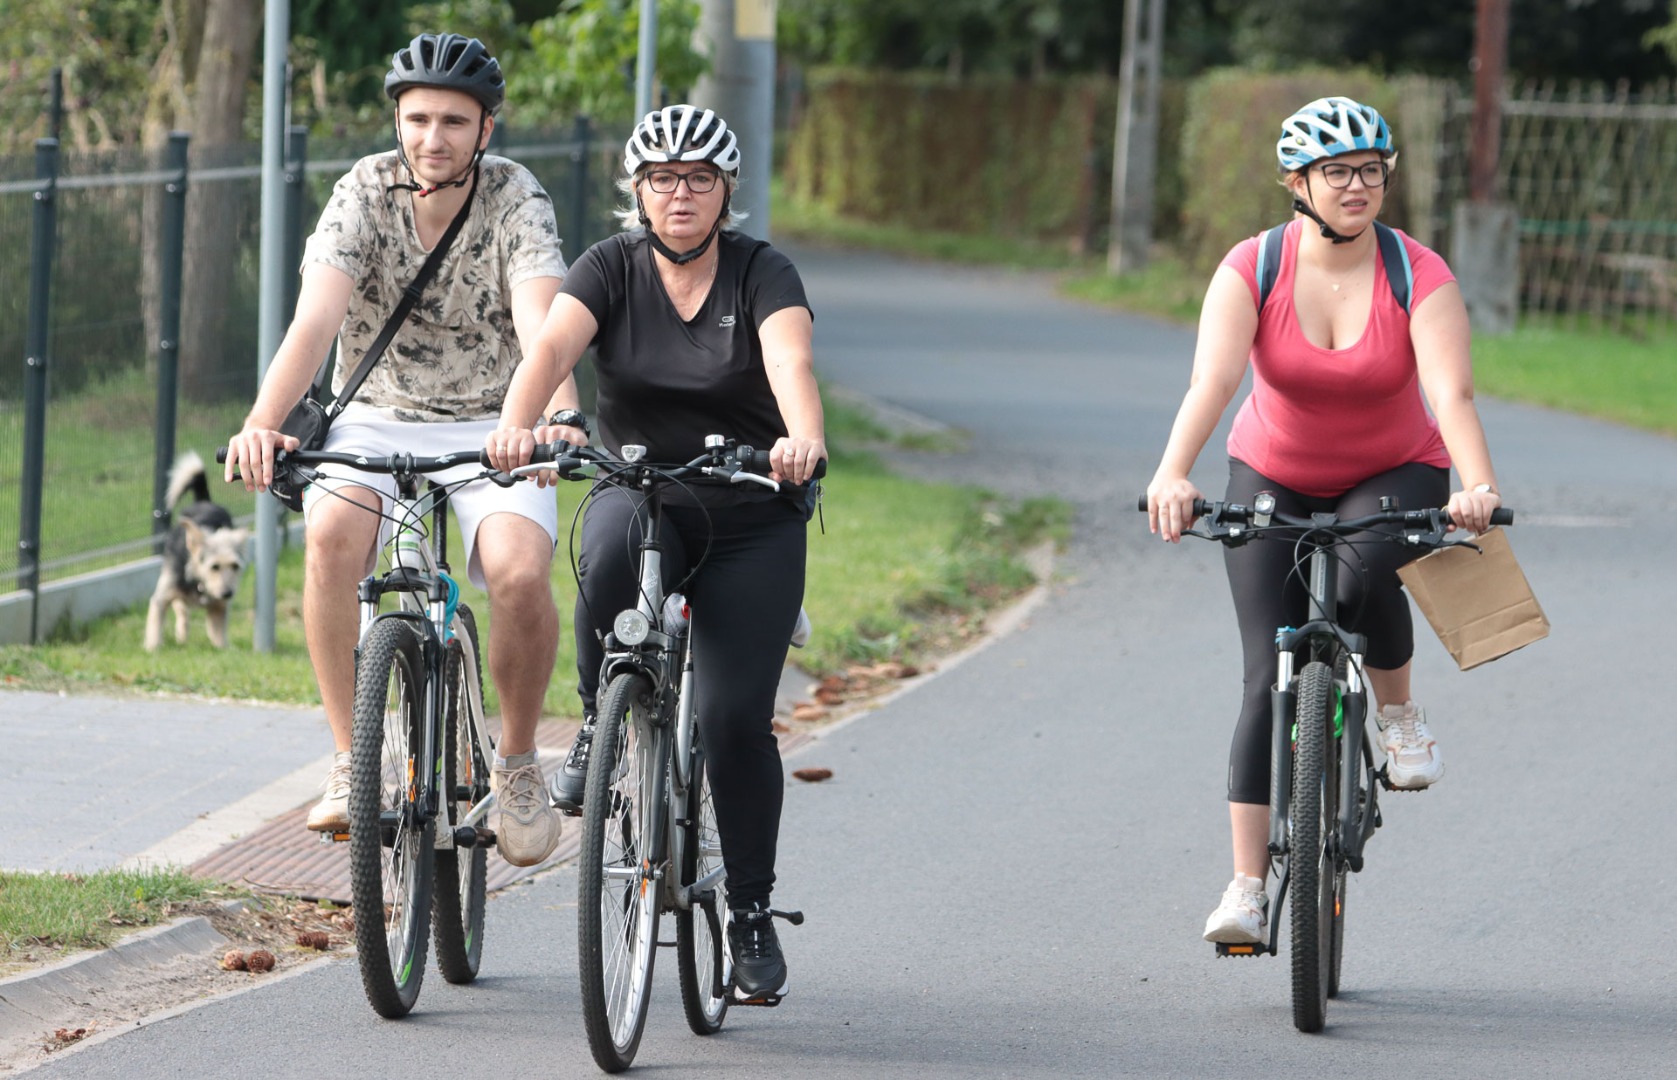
1330, 126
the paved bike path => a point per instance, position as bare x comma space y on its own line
1007, 874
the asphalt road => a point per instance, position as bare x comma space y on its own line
1008, 872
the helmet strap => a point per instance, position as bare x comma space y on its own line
680, 258
1327, 230
462, 180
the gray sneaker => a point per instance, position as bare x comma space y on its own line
1413, 760
331, 813
529, 825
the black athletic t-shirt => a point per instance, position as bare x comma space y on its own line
665, 383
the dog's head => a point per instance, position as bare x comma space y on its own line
215, 559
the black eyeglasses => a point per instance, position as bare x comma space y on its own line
1338, 175
699, 181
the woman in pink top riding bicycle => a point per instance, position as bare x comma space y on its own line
1335, 421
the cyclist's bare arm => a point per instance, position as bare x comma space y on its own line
1440, 333
548, 362
531, 301
322, 303
789, 360
1228, 323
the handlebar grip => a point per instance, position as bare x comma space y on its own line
221, 455
1200, 505
1502, 516
758, 462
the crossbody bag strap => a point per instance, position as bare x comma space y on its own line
410, 297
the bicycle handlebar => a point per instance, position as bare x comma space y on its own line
1220, 516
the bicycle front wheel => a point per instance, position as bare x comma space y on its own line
390, 841
617, 891
462, 872
1313, 814
701, 957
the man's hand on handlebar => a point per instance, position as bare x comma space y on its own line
250, 456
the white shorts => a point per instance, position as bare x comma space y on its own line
362, 430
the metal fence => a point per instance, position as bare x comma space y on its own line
1588, 169
128, 268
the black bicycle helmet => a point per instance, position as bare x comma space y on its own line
448, 61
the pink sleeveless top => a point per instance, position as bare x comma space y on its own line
1320, 421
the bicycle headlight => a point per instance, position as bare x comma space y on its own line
631, 627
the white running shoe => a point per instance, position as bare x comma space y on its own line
1413, 760
1242, 917
331, 813
529, 828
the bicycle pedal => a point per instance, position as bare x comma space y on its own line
1225, 949
333, 837
764, 1001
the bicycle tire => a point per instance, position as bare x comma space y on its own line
702, 959
617, 897
462, 873
390, 882
1312, 815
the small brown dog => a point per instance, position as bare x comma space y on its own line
203, 558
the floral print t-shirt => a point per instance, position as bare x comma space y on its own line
453, 358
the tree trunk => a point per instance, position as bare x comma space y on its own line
223, 69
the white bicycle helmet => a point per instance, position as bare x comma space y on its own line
682, 133
1330, 126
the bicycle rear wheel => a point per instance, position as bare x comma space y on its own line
1313, 814
462, 872
701, 956
617, 891
390, 842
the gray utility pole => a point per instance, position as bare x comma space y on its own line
270, 316
739, 37
646, 65
1134, 155
1485, 231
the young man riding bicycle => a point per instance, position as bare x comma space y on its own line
438, 387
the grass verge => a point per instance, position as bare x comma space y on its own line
43, 916
901, 564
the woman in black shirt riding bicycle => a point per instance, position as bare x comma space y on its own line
699, 330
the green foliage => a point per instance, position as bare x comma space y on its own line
89, 911
997, 157
581, 59
105, 49
1664, 37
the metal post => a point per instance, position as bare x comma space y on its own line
296, 163
55, 103
35, 377
1134, 152
739, 35
581, 147
172, 248
1490, 61
646, 64
276, 35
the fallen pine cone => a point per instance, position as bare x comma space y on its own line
234, 960
261, 960
827, 696
314, 939
780, 728
808, 710
813, 776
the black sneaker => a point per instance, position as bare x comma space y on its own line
571, 780
759, 967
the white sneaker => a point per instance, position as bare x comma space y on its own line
331, 813
1413, 760
1242, 917
529, 825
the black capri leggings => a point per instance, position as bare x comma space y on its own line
745, 602
1267, 595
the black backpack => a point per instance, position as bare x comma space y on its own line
1393, 252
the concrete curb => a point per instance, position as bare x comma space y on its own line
35, 1003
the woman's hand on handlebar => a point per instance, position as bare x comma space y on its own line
1170, 507
250, 456
1471, 510
792, 459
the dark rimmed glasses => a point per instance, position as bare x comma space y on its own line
1338, 174
699, 181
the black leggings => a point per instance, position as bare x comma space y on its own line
745, 601
1268, 595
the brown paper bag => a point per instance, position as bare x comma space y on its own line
1478, 602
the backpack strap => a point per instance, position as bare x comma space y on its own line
1400, 275
1269, 262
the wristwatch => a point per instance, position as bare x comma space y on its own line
568, 418
1484, 489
